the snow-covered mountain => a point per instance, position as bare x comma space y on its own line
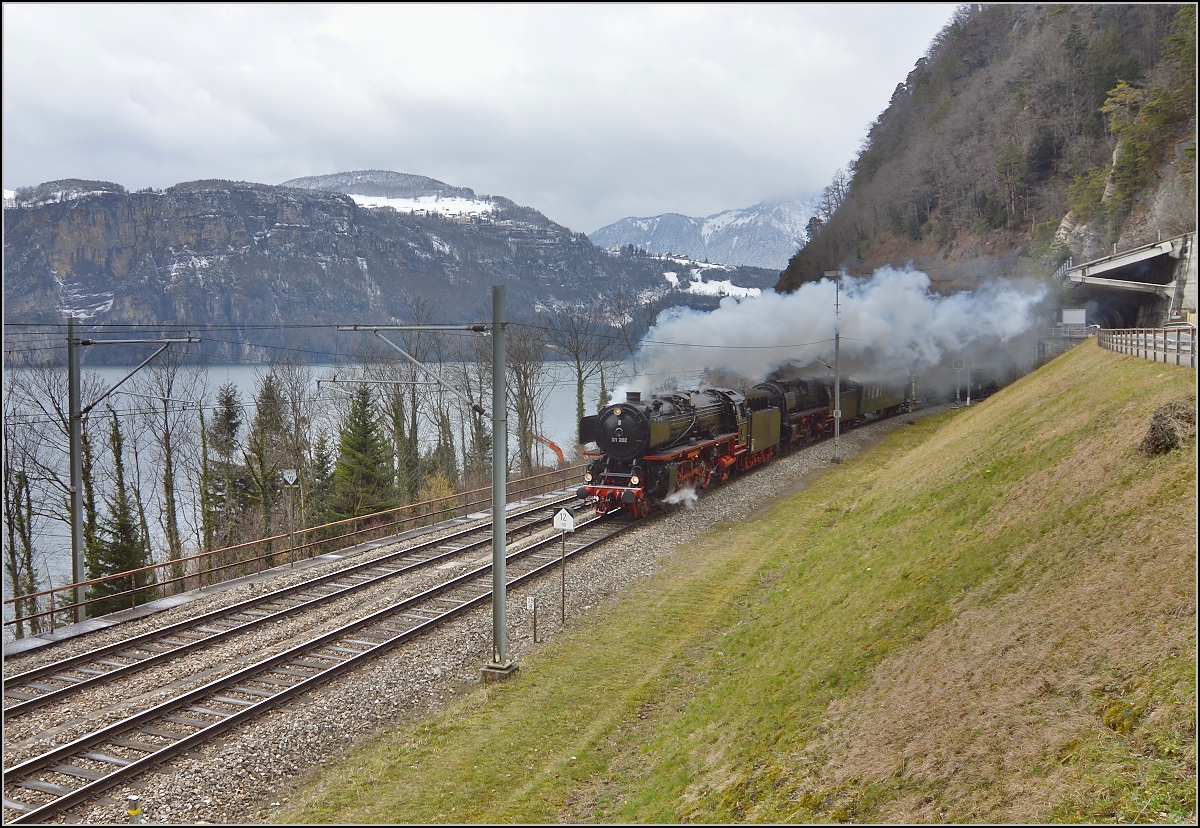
279, 266
403, 192
765, 235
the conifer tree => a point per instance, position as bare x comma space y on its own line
119, 547
265, 450
362, 478
223, 438
322, 477
91, 525
208, 527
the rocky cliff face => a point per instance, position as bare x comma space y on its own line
1166, 210
221, 253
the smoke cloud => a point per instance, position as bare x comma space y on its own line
889, 322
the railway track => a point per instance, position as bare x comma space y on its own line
60, 779
64, 679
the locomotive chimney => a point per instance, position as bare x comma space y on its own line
633, 396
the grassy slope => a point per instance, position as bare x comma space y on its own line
990, 616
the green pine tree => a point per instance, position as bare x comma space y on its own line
119, 546
227, 477
265, 451
362, 477
322, 478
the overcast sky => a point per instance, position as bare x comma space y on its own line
589, 113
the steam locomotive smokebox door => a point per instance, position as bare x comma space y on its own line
764, 429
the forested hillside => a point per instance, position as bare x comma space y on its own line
1027, 133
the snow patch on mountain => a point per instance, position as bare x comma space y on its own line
701, 286
451, 206
75, 300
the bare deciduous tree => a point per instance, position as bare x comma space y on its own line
172, 391
582, 335
22, 521
525, 364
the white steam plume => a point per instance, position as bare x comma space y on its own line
687, 497
890, 321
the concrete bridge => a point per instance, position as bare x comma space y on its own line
1145, 287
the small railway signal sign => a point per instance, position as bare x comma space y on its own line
958, 365
564, 521
289, 477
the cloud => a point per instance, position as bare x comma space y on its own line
587, 112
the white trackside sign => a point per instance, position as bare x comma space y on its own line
564, 521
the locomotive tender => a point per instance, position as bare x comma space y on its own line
678, 441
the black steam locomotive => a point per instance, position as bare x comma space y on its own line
683, 441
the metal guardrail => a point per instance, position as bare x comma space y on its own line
1069, 332
1064, 267
39, 609
1168, 345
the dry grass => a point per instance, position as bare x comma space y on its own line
979, 721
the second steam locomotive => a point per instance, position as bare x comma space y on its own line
674, 442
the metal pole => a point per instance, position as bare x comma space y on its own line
837, 370
499, 477
563, 568
291, 529
968, 385
75, 409
912, 395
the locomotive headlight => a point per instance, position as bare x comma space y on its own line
635, 480
617, 411
587, 477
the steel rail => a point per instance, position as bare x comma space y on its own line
283, 675
97, 666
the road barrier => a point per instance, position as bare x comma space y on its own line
1174, 345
